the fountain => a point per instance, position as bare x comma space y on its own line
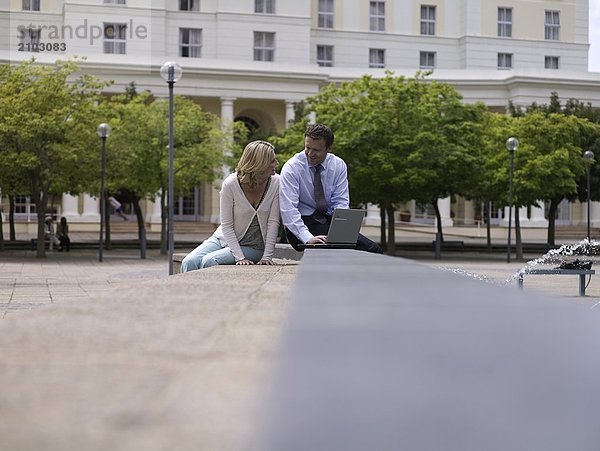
564, 256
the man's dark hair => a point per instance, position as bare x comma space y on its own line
320, 131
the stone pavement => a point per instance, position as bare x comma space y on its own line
27, 282
117, 355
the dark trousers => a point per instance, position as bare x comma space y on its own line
65, 243
316, 228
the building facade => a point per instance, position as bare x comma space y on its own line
253, 60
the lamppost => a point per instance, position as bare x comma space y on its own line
103, 131
589, 157
171, 72
511, 145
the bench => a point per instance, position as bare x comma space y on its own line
452, 244
538, 271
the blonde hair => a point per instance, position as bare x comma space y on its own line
256, 158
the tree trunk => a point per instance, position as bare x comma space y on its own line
438, 218
140, 223
382, 228
519, 243
40, 206
163, 222
1, 232
391, 242
11, 218
106, 219
488, 227
552, 222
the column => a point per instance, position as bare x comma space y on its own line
289, 113
227, 117
444, 206
70, 207
469, 215
91, 209
154, 211
373, 217
214, 214
227, 111
537, 218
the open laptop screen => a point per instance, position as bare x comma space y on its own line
343, 230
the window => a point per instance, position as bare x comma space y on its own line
24, 205
115, 2
427, 60
115, 38
264, 6
552, 26
377, 58
31, 5
189, 5
190, 42
505, 22
428, 20
551, 62
377, 16
325, 55
505, 61
30, 39
264, 46
325, 14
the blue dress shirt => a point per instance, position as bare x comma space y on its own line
296, 190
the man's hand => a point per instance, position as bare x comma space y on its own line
266, 262
319, 239
244, 262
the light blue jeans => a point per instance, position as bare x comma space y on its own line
211, 253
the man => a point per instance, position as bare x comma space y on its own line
306, 211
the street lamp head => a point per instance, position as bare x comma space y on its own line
171, 72
103, 130
589, 155
512, 144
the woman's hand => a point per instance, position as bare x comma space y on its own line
245, 261
266, 262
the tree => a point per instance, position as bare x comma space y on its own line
402, 138
549, 160
490, 181
589, 139
46, 127
139, 149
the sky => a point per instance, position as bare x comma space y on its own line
594, 56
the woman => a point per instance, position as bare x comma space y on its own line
63, 235
249, 214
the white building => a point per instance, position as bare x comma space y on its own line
252, 60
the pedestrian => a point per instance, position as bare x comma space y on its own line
49, 233
118, 207
314, 182
249, 206
62, 231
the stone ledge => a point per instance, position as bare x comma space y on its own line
282, 251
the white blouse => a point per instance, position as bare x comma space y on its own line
237, 214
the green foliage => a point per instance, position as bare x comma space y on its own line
138, 149
402, 138
46, 127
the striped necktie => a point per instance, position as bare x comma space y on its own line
321, 210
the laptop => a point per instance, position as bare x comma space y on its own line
343, 230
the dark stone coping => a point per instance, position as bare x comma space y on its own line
282, 251
385, 353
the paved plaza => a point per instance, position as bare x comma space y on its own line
118, 355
